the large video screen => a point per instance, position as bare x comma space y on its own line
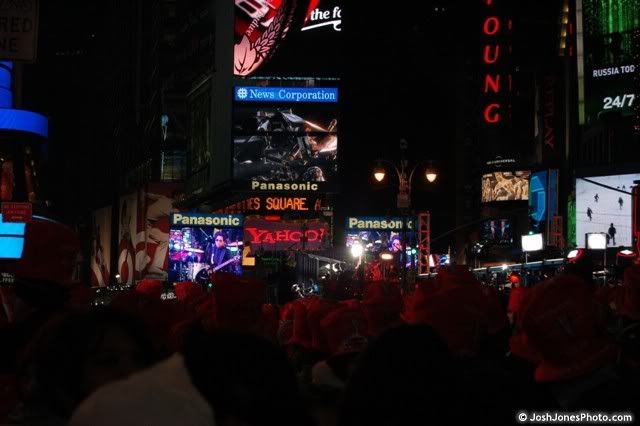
287, 37
285, 135
505, 186
605, 208
610, 48
497, 231
200, 245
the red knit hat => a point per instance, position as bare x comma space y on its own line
150, 288
382, 304
560, 320
238, 302
317, 310
346, 330
187, 291
515, 299
630, 303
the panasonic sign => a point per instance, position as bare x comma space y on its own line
373, 223
202, 219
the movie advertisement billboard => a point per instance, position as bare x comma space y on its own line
285, 138
610, 59
100, 261
287, 37
200, 245
603, 205
505, 186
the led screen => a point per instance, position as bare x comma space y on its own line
287, 37
505, 186
285, 135
610, 47
199, 248
604, 205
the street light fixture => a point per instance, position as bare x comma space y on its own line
405, 177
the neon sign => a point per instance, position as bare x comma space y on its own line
275, 236
494, 53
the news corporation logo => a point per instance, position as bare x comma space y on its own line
242, 93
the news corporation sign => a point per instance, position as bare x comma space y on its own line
286, 94
204, 219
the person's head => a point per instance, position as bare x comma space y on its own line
396, 244
246, 379
75, 353
612, 225
220, 239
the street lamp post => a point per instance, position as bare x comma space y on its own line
403, 200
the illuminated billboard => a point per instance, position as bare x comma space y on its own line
285, 138
603, 204
610, 57
287, 37
505, 186
543, 199
264, 235
200, 245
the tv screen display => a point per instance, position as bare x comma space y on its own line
505, 186
603, 204
198, 249
286, 136
497, 231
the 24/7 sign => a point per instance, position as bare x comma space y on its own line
18, 29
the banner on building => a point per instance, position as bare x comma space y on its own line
100, 247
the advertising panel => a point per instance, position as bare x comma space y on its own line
202, 244
377, 235
505, 186
285, 138
308, 235
610, 59
155, 204
287, 37
499, 231
127, 234
603, 204
100, 247
543, 199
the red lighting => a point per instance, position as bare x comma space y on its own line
487, 52
490, 113
491, 25
272, 218
491, 82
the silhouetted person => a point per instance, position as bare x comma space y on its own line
589, 213
620, 202
612, 234
596, 197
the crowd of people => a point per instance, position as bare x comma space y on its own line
452, 351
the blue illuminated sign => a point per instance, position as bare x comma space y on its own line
11, 239
24, 121
286, 94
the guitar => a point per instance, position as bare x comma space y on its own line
223, 264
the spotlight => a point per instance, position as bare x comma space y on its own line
596, 240
386, 256
357, 250
532, 242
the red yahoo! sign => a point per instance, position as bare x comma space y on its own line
275, 236
493, 57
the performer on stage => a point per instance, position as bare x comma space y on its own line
218, 253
